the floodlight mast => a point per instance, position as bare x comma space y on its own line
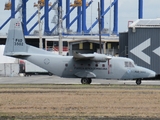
40, 26
99, 21
60, 31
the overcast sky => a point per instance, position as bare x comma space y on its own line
128, 11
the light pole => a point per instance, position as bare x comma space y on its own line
39, 23
99, 21
40, 27
60, 31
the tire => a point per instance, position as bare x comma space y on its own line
138, 81
86, 80
89, 80
50, 74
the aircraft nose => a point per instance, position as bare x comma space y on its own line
152, 74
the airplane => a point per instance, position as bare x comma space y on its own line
84, 66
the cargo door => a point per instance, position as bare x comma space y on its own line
110, 67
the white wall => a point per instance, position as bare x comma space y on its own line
5, 59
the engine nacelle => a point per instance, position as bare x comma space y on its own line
100, 57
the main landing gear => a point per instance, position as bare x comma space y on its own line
86, 80
138, 81
89, 81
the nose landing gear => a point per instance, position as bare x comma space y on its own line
138, 81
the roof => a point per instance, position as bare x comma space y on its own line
146, 23
86, 38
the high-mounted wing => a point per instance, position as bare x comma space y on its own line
94, 57
79, 56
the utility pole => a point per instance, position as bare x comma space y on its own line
99, 21
40, 27
60, 30
110, 32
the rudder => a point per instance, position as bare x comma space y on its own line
15, 39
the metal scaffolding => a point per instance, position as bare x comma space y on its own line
80, 18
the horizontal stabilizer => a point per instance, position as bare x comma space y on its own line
18, 54
85, 74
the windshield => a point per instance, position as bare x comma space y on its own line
128, 64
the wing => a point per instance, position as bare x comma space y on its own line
94, 57
79, 56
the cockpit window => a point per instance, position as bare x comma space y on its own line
128, 64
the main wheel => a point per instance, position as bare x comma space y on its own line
138, 81
89, 80
86, 80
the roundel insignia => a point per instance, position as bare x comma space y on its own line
46, 61
128, 71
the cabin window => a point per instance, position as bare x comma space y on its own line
103, 65
89, 65
66, 65
96, 65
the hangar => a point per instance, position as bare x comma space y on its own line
86, 44
142, 43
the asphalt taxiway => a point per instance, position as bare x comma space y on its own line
45, 79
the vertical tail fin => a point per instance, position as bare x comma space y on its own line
15, 42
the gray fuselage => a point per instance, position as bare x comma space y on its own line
67, 66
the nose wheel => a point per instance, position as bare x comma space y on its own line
86, 80
138, 81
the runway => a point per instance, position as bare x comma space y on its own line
45, 79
